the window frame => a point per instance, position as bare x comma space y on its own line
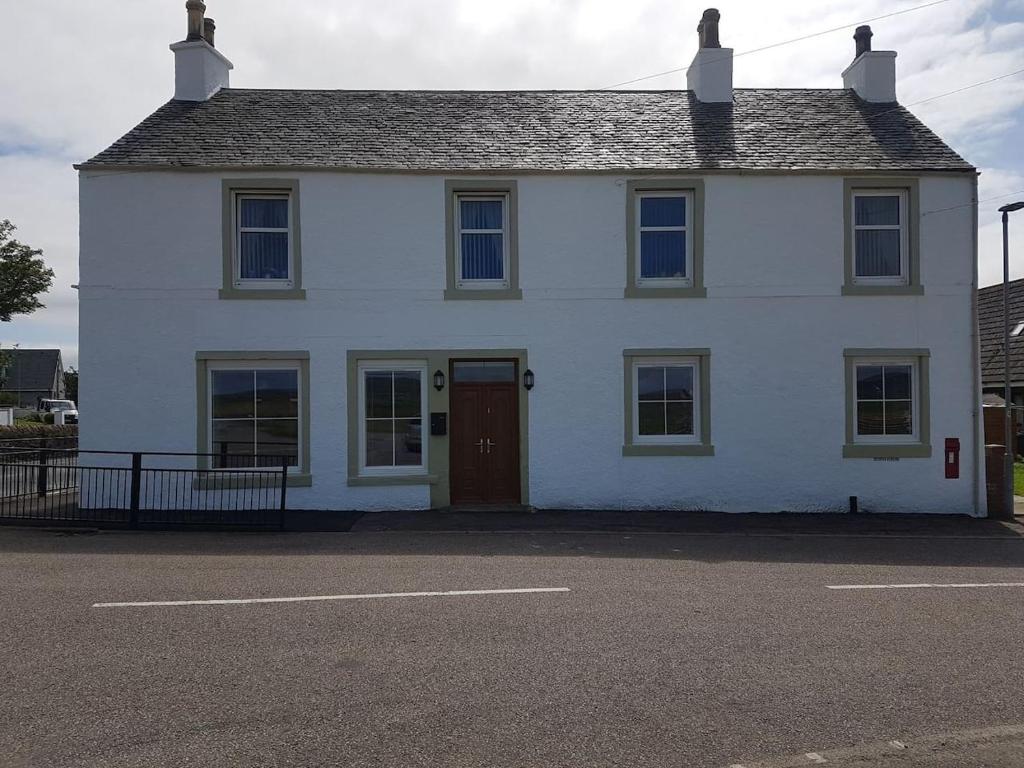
909, 281
362, 368
903, 228
693, 363
698, 444
638, 230
481, 284
209, 361
658, 288
455, 286
916, 445
234, 286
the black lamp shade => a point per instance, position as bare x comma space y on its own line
438, 379
528, 379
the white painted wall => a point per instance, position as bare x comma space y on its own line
373, 267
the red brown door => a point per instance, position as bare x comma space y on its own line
484, 433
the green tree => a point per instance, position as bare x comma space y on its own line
23, 275
71, 384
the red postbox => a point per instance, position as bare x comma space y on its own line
952, 458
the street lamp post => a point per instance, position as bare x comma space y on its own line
1006, 210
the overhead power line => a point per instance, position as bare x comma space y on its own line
780, 44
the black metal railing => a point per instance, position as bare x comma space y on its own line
139, 489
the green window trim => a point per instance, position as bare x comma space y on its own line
229, 189
696, 289
300, 478
507, 187
911, 187
703, 447
438, 456
919, 449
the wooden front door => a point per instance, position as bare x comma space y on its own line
484, 432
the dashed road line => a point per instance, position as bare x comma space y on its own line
973, 585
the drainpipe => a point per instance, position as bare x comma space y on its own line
976, 362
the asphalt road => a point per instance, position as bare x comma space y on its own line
667, 650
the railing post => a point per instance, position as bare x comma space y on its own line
42, 476
284, 490
133, 510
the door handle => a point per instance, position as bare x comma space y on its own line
480, 444
490, 445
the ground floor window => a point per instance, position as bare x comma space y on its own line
667, 406
392, 401
886, 403
254, 412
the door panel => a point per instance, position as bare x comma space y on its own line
484, 472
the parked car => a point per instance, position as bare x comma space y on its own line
64, 411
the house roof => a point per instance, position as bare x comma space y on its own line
990, 329
533, 131
32, 369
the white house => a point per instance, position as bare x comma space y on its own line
715, 298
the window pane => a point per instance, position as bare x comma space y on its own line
869, 382
897, 382
481, 214
484, 370
407, 394
680, 418
663, 211
663, 254
650, 383
378, 395
276, 440
651, 419
899, 417
878, 252
233, 443
263, 256
277, 394
232, 394
272, 214
482, 257
679, 383
408, 442
876, 209
869, 418
380, 444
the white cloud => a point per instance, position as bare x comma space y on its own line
75, 76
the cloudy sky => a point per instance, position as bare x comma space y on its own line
76, 74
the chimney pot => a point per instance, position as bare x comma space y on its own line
863, 38
209, 28
195, 9
707, 30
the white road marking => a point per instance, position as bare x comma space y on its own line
928, 586
316, 598
814, 757
898, 744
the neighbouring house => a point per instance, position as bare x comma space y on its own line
26, 375
740, 299
990, 330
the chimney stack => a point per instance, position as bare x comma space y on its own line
199, 69
872, 74
710, 73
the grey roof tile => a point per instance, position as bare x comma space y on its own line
545, 131
990, 329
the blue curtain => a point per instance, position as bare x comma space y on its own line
481, 214
264, 255
878, 252
872, 210
663, 254
264, 214
663, 212
482, 257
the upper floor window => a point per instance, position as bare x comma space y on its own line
664, 239
880, 237
481, 239
261, 239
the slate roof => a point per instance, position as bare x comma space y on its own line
990, 329
32, 369
537, 131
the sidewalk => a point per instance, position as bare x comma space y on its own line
694, 523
